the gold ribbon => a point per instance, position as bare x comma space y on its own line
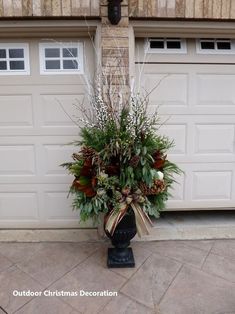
143, 222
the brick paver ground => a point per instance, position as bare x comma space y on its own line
170, 277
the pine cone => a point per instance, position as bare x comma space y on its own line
88, 152
158, 187
144, 188
134, 161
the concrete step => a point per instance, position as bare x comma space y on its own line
170, 226
193, 226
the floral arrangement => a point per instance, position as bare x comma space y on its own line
122, 165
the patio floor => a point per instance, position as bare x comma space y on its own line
171, 277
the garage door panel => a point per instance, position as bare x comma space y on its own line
35, 159
55, 155
60, 110
172, 89
212, 185
17, 160
38, 206
16, 111
204, 185
215, 89
39, 113
57, 111
177, 133
205, 139
58, 206
17, 205
189, 88
200, 142
178, 190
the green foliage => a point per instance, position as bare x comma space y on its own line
73, 167
126, 144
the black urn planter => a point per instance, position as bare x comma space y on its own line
121, 255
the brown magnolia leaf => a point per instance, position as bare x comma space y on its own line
86, 171
94, 182
76, 184
159, 163
88, 162
86, 189
89, 192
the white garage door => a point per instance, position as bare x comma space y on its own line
196, 95
36, 103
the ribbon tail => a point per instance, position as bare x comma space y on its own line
143, 222
114, 218
147, 216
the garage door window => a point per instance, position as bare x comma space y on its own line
61, 58
14, 59
166, 45
215, 46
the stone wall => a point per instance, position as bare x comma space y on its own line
195, 9
115, 46
202, 9
49, 8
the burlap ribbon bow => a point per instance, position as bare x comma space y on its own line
134, 200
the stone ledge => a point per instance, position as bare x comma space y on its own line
49, 235
205, 225
171, 226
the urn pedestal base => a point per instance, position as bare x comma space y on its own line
120, 258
